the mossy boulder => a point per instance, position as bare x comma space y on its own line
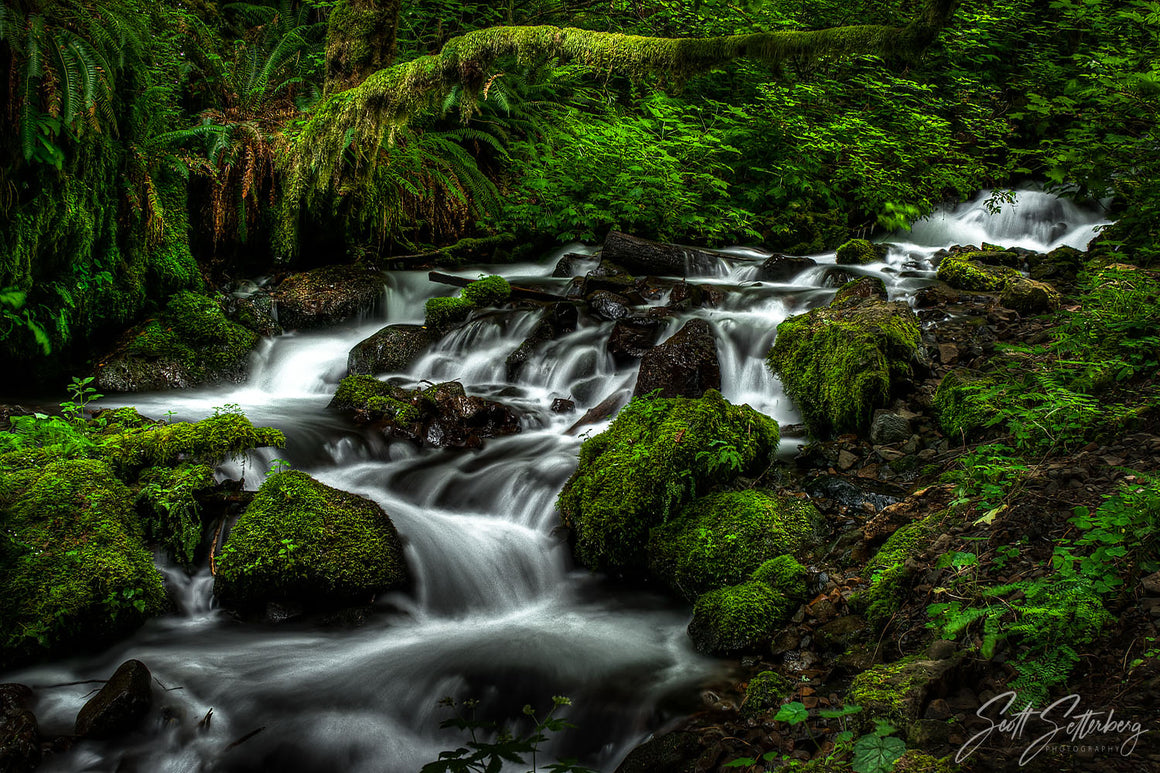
857, 290
859, 252
304, 542
839, 364
973, 271
1060, 267
764, 693
721, 539
326, 296
487, 291
1028, 296
441, 415
890, 576
656, 456
74, 565
960, 404
189, 344
441, 314
391, 350
742, 617
898, 692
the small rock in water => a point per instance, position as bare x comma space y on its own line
782, 268
609, 305
560, 405
121, 703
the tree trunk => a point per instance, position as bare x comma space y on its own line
656, 258
360, 40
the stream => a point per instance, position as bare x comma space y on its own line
497, 611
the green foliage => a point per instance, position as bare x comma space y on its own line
487, 291
764, 692
838, 365
167, 501
302, 541
878, 751
641, 470
492, 747
741, 617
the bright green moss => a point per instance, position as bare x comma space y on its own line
74, 563
656, 456
720, 539
784, 574
375, 398
303, 542
893, 691
209, 441
742, 617
964, 272
838, 365
168, 505
889, 575
961, 405
489, 291
441, 313
764, 693
859, 252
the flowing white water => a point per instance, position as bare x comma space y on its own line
497, 610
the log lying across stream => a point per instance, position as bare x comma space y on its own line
526, 293
657, 258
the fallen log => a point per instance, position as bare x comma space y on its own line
657, 258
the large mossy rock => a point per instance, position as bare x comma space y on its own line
391, 350
74, 565
839, 364
743, 617
859, 252
1028, 296
189, 344
899, 692
720, 539
303, 542
978, 271
656, 456
961, 404
686, 365
326, 296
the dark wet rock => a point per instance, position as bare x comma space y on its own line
656, 258
845, 494
609, 305
120, 705
938, 294
560, 405
839, 634
601, 411
391, 350
857, 290
836, 277
442, 415
686, 296
633, 337
1060, 267
19, 731
327, 296
255, 312
782, 268
558, 319
675, 752
570, 264
686, 365
889, 428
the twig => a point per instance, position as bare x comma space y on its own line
245, 738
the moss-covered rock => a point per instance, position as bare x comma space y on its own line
743, 617
857, 290
960, 404
888, 571
1028, 296
326, 296
839, 364
898, 691
304, 542
764, 693
224, 435
488, 291
441, 313
721, 539
971, 271
190, 343
391, 350
74, 565
656, 456
860, 252
169, 507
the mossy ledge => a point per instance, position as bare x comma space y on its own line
303, 542
839, 364
657, 455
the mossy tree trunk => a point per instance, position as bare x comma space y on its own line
360, 40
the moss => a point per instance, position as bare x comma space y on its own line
859, 252
169, 508
489, 291
1030, 297
308, 543
74, 562
889, 575
764, 693
720, 539
742, 617
376, 398
656, 456
210, 441
858, 290
960, 405
441, 313
966, 272
915, 761
838, 365
897, 691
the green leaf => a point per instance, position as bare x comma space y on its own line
876, 754
794, 713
